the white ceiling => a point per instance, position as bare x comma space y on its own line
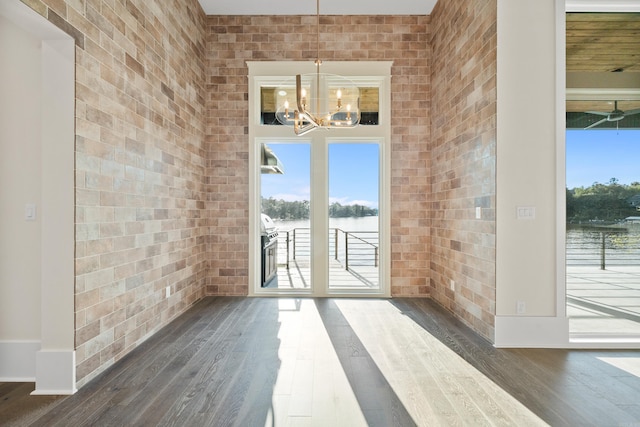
308, 7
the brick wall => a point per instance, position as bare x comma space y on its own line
140, 165
232, 40
162, 154
463, 154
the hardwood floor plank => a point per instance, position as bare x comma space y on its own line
537, 395
115, 384
223, 398
15, 408
209, 363
346, 362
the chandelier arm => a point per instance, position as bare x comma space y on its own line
308, 114
302, 111
299, 93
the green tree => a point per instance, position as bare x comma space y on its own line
299, 209
608, 202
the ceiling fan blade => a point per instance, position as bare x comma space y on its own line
596, 123
597, 113
632, 112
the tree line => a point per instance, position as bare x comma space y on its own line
610, 202
299, 209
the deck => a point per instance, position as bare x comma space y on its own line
599, 302
603, 302
298, 276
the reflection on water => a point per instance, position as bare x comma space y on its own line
367, 223
619, 245
295, 240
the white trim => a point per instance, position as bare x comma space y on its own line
327, 7
531, 332
583, 341
363, 73
56, 372
561, 215
18, 361
590, 94
602, 6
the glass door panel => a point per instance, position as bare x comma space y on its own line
354, 190
285, 248
603, 221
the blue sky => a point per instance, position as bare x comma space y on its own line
597, 155
594, 155
353, 173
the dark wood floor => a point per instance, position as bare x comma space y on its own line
338, 362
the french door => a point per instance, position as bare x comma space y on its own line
322, 201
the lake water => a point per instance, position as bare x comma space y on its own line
367, 223
362, 239
621, 245
584, 244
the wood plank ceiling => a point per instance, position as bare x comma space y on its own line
602, 42
605, 42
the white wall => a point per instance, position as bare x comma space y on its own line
20, 180
527, 176
37, 62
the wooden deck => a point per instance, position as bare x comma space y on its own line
338, 362
298, 276
599, 302
604, 302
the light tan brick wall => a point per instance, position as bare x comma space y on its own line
162, 155
140, 165
233, 40
463, 159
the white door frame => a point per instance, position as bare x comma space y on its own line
363, 73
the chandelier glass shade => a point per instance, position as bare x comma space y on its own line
318, 100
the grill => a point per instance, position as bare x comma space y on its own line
269, 240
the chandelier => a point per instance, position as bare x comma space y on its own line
318, 100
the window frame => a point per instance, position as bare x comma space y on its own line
364, 74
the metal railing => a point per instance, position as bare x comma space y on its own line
349, 248
610, 247
359, 247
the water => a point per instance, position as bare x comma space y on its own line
367, 223
584, 245
363, 239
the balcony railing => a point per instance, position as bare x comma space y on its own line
609, 247
349, 248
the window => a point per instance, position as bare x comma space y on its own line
320, 237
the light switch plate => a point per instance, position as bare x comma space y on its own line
30, 212
526, 212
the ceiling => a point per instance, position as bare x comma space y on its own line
604, 42
596, 42
602, 56
308, 7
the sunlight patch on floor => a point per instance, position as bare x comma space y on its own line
311, 387
627, 364
422, 369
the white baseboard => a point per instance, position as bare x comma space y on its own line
18, 361
531, 332
55, 373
